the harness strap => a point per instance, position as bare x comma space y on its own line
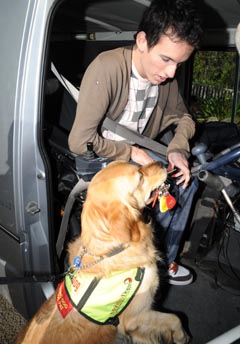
87, 293
30, 279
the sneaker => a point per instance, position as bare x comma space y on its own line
179, 275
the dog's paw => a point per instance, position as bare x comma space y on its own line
123, 339
174, 338
174, 333
181, 337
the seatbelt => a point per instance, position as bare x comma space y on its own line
134, 136
113, 126
72, 90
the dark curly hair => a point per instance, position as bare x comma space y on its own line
179, 19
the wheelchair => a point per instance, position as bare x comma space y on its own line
215, 226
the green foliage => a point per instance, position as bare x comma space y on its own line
220, 109
215, 68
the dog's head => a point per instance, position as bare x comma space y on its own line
127, 183
115, 199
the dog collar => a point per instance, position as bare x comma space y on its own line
98, 300
77, 263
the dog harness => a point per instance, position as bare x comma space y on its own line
99, 300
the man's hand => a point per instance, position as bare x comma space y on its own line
179, 160
140, 156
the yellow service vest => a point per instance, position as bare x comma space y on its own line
99, 300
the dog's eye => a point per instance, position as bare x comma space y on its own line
141, 177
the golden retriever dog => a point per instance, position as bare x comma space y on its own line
108, 292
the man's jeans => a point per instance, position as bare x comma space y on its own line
173, 222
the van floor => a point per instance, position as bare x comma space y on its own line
206, 309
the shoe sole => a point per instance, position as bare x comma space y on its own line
180, 283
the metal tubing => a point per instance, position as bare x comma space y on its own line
230, 203
228, 337
211, 180
223, 160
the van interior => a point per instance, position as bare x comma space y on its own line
78, 31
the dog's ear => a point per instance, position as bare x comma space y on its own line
123, 224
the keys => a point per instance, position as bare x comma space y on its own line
166, 201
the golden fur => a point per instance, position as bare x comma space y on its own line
112, 215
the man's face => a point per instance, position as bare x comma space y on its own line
161, 61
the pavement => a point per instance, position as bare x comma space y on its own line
10, 321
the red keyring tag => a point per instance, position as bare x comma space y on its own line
171, 201
166, 202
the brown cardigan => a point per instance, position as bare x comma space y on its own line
104, 92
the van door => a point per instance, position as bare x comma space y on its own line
25, 240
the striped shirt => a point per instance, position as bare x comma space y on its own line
142, 99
